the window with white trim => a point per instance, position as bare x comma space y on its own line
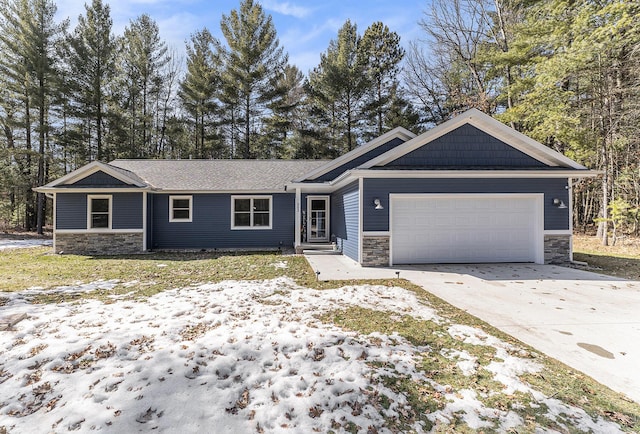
180, 208
99, 212
251, 212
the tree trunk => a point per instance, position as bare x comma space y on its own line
247, 127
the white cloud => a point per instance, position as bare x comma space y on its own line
286, 8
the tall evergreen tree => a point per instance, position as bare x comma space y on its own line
28, 39
144, 59
253, 61
198, 92
337, 87
381, 53
17, 82
91, 63
279, 128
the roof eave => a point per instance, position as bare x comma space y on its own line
398, 132
90, 169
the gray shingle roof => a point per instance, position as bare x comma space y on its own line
218, 175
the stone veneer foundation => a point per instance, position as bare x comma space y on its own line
375, 251
557, 249
99, 243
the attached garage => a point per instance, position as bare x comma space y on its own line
466, 228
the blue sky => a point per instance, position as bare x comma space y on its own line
304, 27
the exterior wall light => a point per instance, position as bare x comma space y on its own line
377, 203
559, 203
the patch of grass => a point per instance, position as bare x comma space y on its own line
147, 274
621, 260
144, 274
556, 379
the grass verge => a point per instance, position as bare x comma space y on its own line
621, 260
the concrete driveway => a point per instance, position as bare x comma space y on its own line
589, 321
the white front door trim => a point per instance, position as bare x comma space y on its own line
323, 219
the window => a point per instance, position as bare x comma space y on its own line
180, 208
99, 212
250, 212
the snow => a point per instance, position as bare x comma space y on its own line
6, 244
237, 356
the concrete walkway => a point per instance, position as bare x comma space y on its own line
589, 321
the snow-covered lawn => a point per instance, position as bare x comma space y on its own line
6, 243
238, 357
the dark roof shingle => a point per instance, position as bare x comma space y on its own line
218, 175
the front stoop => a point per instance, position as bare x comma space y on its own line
317, 249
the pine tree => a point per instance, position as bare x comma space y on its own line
199, 89
279, 128
29, 36
381, 54
253, 60
91, 63
337, 87
144, 58
578, 91
18, 89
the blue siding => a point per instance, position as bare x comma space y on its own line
466, 146
127, 211
360, 160
149, 231
71, 210
211, 225
99, 179
345, 208
378, 220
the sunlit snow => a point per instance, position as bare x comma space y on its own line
227, 357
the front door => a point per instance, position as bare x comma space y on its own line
317, 219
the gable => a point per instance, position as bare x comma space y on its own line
360, 155
99, 179
359, 160
541, 156
466, 147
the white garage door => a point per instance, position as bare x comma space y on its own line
466, 228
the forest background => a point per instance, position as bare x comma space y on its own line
565, 72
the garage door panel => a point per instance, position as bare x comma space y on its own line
464, 229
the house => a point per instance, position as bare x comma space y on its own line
470, 190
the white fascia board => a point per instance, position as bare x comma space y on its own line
474, 173
309, 187
254, 192
91, 168
484, 123
90, 190
353, 175
398, 132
